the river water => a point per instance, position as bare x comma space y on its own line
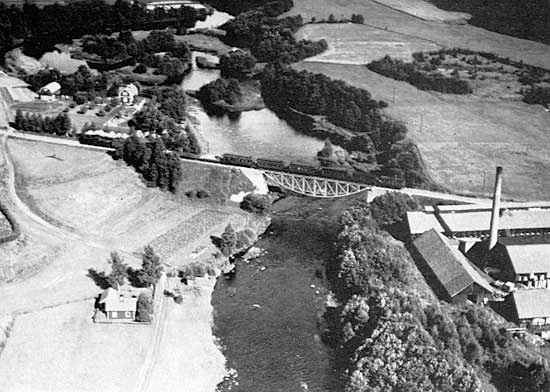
258, 133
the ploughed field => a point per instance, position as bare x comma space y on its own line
461, 138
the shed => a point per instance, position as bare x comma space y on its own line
450, 274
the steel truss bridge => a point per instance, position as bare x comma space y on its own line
314, 186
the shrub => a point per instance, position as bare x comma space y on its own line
144, 310
255, 203
140, 68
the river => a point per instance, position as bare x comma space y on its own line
258, 133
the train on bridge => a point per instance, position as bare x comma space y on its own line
335, 173
332, 172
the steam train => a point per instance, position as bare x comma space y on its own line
337, 173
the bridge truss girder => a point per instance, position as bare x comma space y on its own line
314, 186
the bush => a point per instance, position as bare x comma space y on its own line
140, 68
144, 311
256, 203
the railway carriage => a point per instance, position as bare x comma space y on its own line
338, 173
270, 164
237, 160
300, 168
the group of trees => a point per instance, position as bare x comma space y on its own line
41, 28
158, 166
537, 95
270, 39
392, 334
58, 125
226, 90
423, 80
82, 84
238, 64
348, 107
355, 18
173, 63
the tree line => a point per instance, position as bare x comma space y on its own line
41, 28
58, 125
413, 74
391, 334
149, 156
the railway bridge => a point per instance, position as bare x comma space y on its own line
313, 186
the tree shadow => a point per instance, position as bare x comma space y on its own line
133, 277
216, 241
99, 278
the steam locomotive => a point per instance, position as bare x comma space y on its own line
337, 173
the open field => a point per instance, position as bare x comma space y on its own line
71, 352
462, 138
395, 21
359, 44
98, 205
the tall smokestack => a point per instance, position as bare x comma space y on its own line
496, 209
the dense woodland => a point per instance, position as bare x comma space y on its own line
270, 39
41, 28
174, 63
392, 334
527, 20
419, 77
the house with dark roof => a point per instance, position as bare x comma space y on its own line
450, 274
521, 260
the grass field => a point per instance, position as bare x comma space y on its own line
102, 205
71, 352
461, 138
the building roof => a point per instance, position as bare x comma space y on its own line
51, 88
528, 254
420, 222
453, 270
532, 303
116, 302
473, 219
131, 88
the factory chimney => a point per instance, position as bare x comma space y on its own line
496, 209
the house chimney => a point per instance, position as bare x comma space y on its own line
496, 209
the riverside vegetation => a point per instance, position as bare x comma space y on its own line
392, 334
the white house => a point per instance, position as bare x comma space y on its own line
128, 94
49, 92
117, 306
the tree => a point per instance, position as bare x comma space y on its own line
228, 241
151, 268
144, 308
119, 271
255, 203
19, 119
390, 212
237, 64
